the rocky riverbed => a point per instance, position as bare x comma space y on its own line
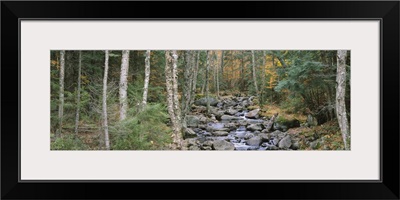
234, 123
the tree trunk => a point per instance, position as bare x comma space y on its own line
194, 83
146, 79
217, 71
123, 85
207, 87
242, 75
78, 99
263, 76
254, 72
105, 123
340, 95
172, 97
222, 68
61, 104
187, 84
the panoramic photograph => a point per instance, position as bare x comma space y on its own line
196, 100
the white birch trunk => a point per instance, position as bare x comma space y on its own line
172, 97
146, 79
78, 99
123, 85
61, 97
340, 95
105, 123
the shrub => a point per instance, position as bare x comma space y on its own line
146, 130
68, 142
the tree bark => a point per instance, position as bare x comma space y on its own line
172, 97
187, 85
146, 79
217, 71
222, 68
123, 85
207, 84
61, 103
105, 123
340, 95
194, 83
264, 60
254, 72
78, 99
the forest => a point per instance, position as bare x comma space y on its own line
200, 100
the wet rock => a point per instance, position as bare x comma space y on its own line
243, 123
228, 117
208, 143
206, 148
253, 114
202, 126
264, 137
189, 133
230, 126
194, 148
285, 143
220, 133
295, 145
254, 141
272, 147
275, 133
254, 127
190, 142
223, 145
231, 111
192, 120
275, 141
203, 101
248, 136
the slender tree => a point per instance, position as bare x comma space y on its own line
188, 81
217, 72
78, 98
194, 83
340, 95
123, 85
254, 72
207, 84
172, 97
222, 67
146, 78
61, 104
264, 61
105, 123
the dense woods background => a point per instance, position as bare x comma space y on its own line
200, 100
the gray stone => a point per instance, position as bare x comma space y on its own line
228, 117
203, 101
220, 133
254, 127
248, 136
254, 141
189, 142
315, 144
285, 143
189, 133
208, 143
231, 111
264, 137
194, 148
192, 120
312, 121
253, 114
223, 145
272, 147
295, 145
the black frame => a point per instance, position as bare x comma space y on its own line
387, 12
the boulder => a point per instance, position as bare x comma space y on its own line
254, 141
189, 142
283, 124
189, 133
228, 117
203, 101
254, 127
248, 136
192, 120
220, 133
253, 114
223, 145
264, 137
231, 111
285, 143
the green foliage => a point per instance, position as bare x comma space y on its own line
146, 130
68, 142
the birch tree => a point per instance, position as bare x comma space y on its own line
78, 98
187, 83
340, 95
61, 95
253, 64
222, 67
105, 123
123, 85
146, 78
194, 83
172, 97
